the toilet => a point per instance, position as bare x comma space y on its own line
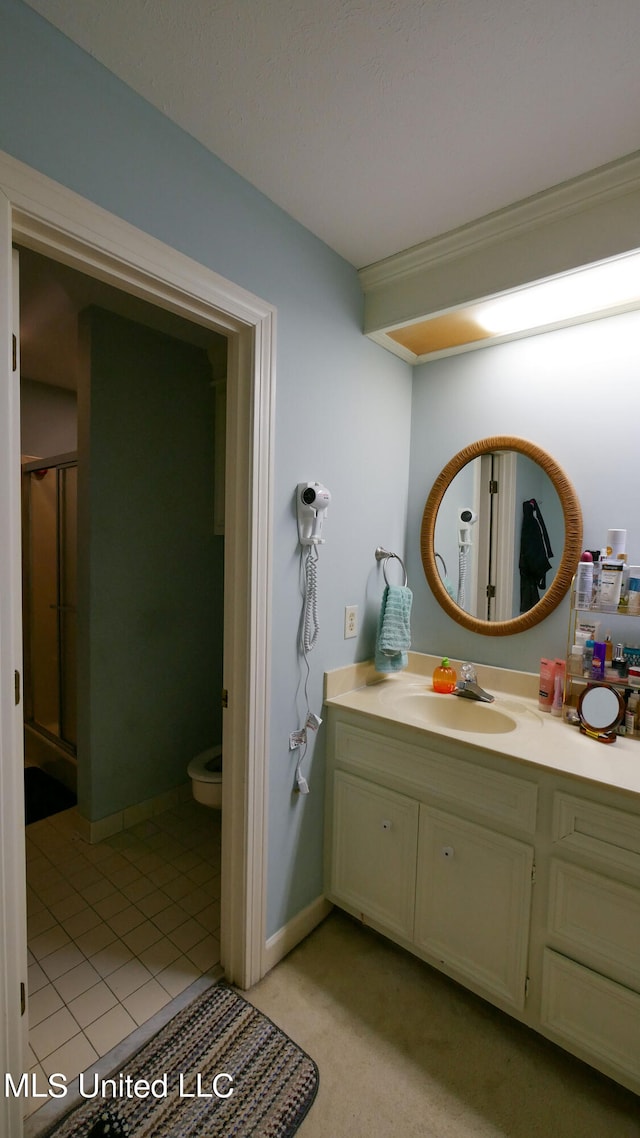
205, 772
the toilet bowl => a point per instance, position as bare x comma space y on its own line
205, 772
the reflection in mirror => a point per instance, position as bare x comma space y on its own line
600, 709
496, 553
501, 536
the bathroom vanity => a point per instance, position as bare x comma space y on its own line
496, 843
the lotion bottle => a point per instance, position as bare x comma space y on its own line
545, 687
558, 692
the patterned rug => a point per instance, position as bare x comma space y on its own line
218, 1069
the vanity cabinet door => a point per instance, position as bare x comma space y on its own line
473, 901
373, 862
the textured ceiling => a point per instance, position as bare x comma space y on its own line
381, 123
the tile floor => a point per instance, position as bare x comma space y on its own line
115, 930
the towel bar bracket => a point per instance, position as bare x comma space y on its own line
385, 555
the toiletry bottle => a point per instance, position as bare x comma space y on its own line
545, 687
631, 714
576, 660
616, 547
589, 628
610, 584
587, 658
597, 662
624, 589
619, 661
595, 553
608, 649
444, 677
584, 581
558, 692
633, 596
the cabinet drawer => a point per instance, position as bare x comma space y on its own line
602, 832
491, 794
597, 920
594, 1017
375, 839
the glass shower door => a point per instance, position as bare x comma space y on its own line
49, 522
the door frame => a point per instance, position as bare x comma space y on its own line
50, 219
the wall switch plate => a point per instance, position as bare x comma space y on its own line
350, 621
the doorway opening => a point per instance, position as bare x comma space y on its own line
120, 927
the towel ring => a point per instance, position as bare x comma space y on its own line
385, 555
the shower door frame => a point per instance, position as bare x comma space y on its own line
54, 462
41, 214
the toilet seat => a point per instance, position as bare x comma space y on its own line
201, 765
205, 772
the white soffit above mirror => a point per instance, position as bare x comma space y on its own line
566, 256
589, 293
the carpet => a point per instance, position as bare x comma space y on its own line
44, 795
218, 1069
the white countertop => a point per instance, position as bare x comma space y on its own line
538, 737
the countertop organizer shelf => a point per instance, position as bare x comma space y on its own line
621, 622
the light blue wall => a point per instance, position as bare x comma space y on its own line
150, 569
572, 392
342, 404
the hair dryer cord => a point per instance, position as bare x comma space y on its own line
310, 626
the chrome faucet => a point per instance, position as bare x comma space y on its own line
468, 686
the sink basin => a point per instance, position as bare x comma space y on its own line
454, 714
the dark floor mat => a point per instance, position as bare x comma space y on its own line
267, 1084
44, 795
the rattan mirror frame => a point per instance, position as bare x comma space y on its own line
572, 544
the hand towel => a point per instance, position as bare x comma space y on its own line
394, 630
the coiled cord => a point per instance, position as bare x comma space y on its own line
310, 626
463, 572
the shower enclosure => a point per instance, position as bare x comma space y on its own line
49, 557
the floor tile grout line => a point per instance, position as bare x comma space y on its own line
208, 869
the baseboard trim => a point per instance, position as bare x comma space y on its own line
280, 944
141, 811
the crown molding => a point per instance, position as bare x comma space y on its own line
585, 191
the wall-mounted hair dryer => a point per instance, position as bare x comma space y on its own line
312, 501
466, 518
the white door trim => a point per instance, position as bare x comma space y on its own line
51, 219
13, 951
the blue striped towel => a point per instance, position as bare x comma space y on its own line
394, 629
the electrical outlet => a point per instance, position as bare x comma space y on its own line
350, 621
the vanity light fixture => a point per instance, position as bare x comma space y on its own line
603, 288
608, 286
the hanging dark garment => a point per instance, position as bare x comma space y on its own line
535, 551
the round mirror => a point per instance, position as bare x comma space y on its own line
601, 709
501, 536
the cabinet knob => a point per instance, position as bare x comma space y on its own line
447, 852
386, 824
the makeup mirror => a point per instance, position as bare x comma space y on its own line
464, 489
600, 710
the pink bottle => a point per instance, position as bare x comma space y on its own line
545, 687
